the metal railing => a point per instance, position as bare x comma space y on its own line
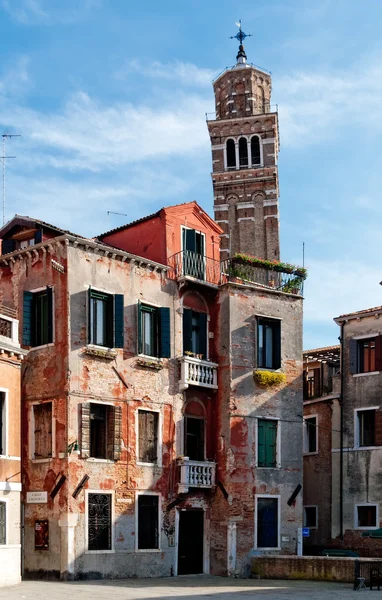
195, 473
199, 372
196, 266
266, 109
370, 571
290, 282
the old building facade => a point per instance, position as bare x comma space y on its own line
11, 356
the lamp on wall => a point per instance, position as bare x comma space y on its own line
73, 447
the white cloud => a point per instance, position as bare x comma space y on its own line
43, 12
185, 74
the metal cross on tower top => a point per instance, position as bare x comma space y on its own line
240, 36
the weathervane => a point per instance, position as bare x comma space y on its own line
240, 36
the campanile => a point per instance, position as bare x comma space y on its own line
245, 143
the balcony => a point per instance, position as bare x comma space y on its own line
191, 266
195, 371
196, 474
280, 276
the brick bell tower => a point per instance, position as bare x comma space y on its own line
245, 144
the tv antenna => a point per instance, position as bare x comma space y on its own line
4, 158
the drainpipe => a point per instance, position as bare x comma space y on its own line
342, 434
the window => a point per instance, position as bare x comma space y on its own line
194, 333
268, 344
365, 356
366, 427
366, 516
266, 443
255, 150
148, 522
310, 434
243, 152
100, 431
194, 432
153, 331
38, 317
106, 319
313, 383
148, 436
267, 522
231, 154
310, 517
99, 521
3, 423
193, 244
42, 416
3, 523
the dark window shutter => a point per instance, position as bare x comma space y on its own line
90, 334
164, 324
49, 293
118, 320
378, 353
317, 382
27, 318
117, 432
3, 522
378, 427
114, 422
38, 236
353, 346
270, 443
139, 327
187, 330
203, 334
261, 443
8, 246
190, 239
85, 429
277, 345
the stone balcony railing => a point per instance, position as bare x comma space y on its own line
195, 371
196, 474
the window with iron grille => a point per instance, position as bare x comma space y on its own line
42, 414
148, 436
99, 521
3, 523
148, 522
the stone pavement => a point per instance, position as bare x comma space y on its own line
185, 588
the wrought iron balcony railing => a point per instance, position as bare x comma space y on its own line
195, 371
283, 281
191, 265
195, 473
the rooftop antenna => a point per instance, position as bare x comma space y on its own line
111, 212
6, 136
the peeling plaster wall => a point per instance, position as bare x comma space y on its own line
240, 403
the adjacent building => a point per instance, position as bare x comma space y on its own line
11, 356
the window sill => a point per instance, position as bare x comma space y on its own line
276, 467
99, 551
370, 528
42, 460
31, 348
310, 453
278, 370
360, 448
365, 374
150, 362
100, 351
140, 550
99, 460
147, 464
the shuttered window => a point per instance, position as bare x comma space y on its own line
3, 523
365, 356
194, 333
268, 344
101, 431
148, 522
314, 383
148, 436
42, 414
266, 443
106, 319
153, 331
38, 317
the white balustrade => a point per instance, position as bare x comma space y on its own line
195, 473
195, 371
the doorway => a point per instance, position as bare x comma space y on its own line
191, 542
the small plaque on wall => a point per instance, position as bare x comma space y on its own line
41, 534
37, 497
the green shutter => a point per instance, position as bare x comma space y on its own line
187, 330
27, 318
49, 308
139, 327
164, 324
203, 334
270, 443
261, 443
118, 320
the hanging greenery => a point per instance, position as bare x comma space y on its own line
268, 378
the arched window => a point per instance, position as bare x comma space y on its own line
231, 155
255, 150
243, 152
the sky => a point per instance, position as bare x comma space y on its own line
110, 98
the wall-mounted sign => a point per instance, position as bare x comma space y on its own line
37, 497
305, 532
41, 534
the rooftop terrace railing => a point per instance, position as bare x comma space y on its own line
279, 276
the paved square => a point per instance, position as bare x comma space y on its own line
187, 588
